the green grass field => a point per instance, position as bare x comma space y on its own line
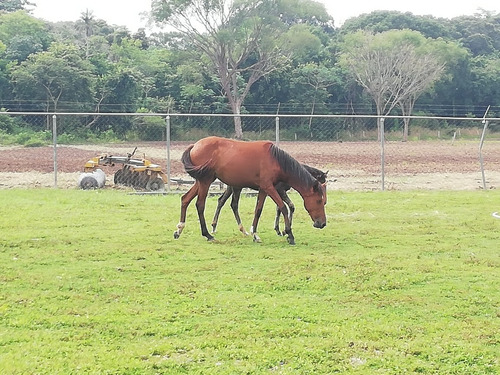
92, 282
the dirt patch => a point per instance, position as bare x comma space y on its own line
352, 165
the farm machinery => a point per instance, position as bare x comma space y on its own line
137, 173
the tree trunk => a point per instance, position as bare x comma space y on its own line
406, 122
238, 127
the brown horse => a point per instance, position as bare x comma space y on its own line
281, 188
258, 165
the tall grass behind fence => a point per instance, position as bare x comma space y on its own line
357, 139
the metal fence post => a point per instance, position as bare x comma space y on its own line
54, 141
481, 161
168, 152
382, 151
277, 131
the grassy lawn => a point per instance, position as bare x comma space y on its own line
92, 282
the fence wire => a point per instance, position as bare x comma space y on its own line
43, 150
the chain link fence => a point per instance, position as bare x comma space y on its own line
360, 152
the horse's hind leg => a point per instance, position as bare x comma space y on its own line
261, 197
185, 201
235, 206
200, 206
220, 203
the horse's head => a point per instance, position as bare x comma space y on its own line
318, 174
314, 203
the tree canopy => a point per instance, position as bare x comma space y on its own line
249, 56
243, 40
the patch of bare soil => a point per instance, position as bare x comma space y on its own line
352, 165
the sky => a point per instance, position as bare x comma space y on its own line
127, 13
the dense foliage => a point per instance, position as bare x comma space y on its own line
91, 66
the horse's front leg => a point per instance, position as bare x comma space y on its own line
291, 208
288, 226
286, 199
261, 197
275, 196
185, 200
277, 221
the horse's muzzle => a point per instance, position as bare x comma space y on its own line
319, 224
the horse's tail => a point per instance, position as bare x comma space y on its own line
197, 172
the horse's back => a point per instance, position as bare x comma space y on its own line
219, 150
236, 163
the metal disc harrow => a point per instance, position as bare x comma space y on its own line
139, 174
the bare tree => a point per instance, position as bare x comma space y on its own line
240, 38
418, 73
392, 69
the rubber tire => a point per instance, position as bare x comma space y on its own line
117, 179
155, 184
88, 183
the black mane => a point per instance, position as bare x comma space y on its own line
292, 166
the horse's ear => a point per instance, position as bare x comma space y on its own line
324, 177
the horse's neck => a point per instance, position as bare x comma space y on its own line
297, 184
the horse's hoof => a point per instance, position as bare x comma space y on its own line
176, 235
256, 239
291, 241
212, 239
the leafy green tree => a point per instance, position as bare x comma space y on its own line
14, 5
306, 46
485, 73
56, 76
382, 20
312, 13
5, 89
452, 95
116, 91
312, 82
23, 35
479, 33
117, 81
141, 64
193, 89
240, 38
309, 39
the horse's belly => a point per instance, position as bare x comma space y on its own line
238, 177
